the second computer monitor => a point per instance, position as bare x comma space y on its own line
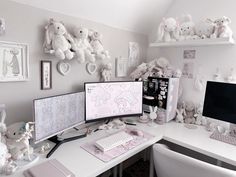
113, 99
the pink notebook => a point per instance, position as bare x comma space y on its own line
51, 168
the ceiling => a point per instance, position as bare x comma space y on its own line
132, 15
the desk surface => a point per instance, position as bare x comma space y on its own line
84, 164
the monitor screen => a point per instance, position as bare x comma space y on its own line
220, 101
113, 99
56, 114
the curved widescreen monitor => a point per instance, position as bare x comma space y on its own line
113, 99
53, 115
220, 101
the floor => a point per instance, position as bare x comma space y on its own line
138, 169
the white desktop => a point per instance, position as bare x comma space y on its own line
82, 163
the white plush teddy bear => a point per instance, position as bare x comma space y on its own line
58, 40
96, 44
168, 30
204, 29
82, 46
187, 28
222, 28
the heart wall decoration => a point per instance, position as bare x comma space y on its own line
91, 68
63, 68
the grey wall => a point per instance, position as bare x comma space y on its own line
25, 24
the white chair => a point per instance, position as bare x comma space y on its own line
169, 163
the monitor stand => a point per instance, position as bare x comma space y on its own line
59, 142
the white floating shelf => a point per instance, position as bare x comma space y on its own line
197, 42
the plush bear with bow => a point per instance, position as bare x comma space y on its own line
96, 44
82, 46
222, 28
58, 40
168, 30
187, 28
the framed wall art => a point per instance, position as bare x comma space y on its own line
121, 67
14, 62
46, 75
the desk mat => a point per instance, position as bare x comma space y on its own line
117, 151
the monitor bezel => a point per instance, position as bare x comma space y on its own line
216, 118
109, 117
61, 131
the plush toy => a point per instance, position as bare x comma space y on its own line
152, 114
81, 45
180, 112
204, 29
222, 28
187, 28
3, 127
58, 40
2, 26
96, 44
168, 30
189, 113
17, 148
106, 72
139, 71
177, 73
198, 115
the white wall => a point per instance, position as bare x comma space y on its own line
207, 58
132, 15
26, 24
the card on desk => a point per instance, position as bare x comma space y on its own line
51, 168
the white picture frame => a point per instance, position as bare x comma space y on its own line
121, 67
14, 62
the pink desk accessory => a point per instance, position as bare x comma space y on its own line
51, 168
117, 151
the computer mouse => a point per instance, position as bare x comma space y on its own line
137, 132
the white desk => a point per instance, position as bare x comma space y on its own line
84, 164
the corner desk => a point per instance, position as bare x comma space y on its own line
83, 164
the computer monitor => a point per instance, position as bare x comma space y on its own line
220, 101
56, 114
113, 99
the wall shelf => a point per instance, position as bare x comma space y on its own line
195, 43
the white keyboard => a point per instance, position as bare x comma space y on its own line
224, 138
113, 141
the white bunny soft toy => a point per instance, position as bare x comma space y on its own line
179, 115
3, 127
152, 114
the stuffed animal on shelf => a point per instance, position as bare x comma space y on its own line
187, 28
189, 113
205, 29
222, 28
96, 44
57, 40
106, 72
82, 46
168, 30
